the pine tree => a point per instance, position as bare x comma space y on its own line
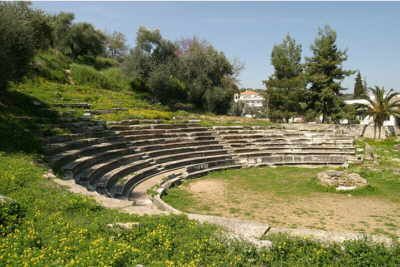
285, 87
325, 73
359, 90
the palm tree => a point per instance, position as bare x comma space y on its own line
381, 105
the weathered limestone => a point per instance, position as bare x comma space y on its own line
256, 146
115, 157
341, 180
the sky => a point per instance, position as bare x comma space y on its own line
247, 31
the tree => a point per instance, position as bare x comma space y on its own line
381, 105
210, 76
116, 45
324, 74
84, 40
286, 86
190, 73
359, 89
62, 24
22, 32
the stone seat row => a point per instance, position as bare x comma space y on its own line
113, 158
255, 146
114, 163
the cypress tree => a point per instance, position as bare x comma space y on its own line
359, 90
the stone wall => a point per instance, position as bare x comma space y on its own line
355, 130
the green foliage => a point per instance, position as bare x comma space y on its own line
112, 79
98, 62
190, 73
11, 215
17, 41
51, 65
359, 90
381, 105
165, 87
218, 100
286, 94
290, 251
116, 45
62, 23
351, 113
324, 73
83, 39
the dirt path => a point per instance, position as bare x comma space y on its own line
326, 211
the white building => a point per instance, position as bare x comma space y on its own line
368, 120
250, 99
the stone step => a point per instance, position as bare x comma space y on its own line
91, 174
293, 149
207, 165
116, 173
204, 172
198, 130
123, 186
107, 111
280, 137
165, 135
292, 153
83, 163
122, 127
296, 160
64, 158
73, 105
60, 147
282, 141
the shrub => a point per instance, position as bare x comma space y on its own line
51, 65
97, 62
116, 79
11, 215
112, 79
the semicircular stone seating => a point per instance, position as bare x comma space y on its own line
257, 146
113, 158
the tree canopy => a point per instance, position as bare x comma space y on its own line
324, 73
359, 89
185, 74
22, 32
286, 86
381, 105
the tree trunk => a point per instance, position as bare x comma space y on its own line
374, 130
380, 128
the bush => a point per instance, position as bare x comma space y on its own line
116, 79
97, 62
112, 79
11, 215
218, 100
51, 65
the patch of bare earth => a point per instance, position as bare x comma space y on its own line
326, 211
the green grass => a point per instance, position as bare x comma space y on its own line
180, 199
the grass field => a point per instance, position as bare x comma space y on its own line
291, 196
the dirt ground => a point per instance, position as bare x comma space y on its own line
326, 211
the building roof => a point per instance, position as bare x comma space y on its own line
249, 92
